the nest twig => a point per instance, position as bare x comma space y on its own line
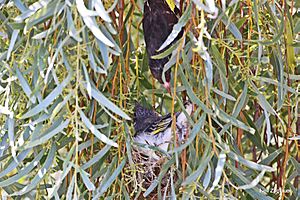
146, 171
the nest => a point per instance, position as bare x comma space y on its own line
145, 172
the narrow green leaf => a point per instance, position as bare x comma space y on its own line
92, 60
220, 66
199, 171
3, 145
249, 163
24, 171
128, 144
168, 51
48, 135
290, 52
12, 42
67, 165
207, 177
229, 119
101, 11
85, 177
87, 79
72, 30
218, 170
48, 100
48, 32
91, 23
254, 182
240, 101
192, 136
268, 131
14, 163
271, 157
208, 69
70, 189
32, 9
277, 62
173, 193
96, 158
274, 82
104, 54
177, 27
111, 179
25, 86
223, 94
20, 6
191, 93
97, 133
54, 7
59, 50
59, 106
40, 174
242, 179
11, 130
103, 101
232, 28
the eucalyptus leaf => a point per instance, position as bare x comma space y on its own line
40, 174
94, 130
48, 135
111, 179
218, 170
102, 100
48, 100
24, 171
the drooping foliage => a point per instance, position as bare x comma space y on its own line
71, 72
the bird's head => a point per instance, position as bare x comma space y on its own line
143, 117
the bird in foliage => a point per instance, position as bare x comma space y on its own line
154, 130
159, 19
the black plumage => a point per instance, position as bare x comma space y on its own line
155, 130
146, 120
158, 23
144, 117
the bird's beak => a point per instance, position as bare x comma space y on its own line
168, 87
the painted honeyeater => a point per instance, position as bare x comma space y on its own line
159, 18
151, 129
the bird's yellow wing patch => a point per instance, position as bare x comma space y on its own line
171, 4
161, 126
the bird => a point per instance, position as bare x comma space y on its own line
158, 22
152, 129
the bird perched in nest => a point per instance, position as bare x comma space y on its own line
159, 18
155, 130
